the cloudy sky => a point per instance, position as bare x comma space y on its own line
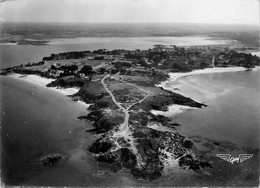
131, 11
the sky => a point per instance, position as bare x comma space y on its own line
131, 11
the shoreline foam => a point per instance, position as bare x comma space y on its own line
42, 82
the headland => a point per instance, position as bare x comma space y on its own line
129, 104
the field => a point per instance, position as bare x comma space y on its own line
125, 93
96, 64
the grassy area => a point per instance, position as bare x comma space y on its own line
143, 81
79, 62
92, 91
66, 62
124, 92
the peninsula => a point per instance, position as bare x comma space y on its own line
122, 88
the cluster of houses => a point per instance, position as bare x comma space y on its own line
141, 61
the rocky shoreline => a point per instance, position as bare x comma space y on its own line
151, 147
155, 149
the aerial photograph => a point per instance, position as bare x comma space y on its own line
129, 93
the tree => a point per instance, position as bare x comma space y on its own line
68, 70
73, 68
248, 63
99, 58
102, 70
87, 69
53, 67
203, 64
181, 67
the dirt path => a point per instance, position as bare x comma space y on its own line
124, 130
126, 111
110, 93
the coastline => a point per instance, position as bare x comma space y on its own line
118, 149
176, 76
42, 82
173, 109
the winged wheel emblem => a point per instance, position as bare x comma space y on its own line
229, 158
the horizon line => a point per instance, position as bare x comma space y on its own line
197, 23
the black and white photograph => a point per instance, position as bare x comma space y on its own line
129, 93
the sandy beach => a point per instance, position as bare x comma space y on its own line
42, 82
178, 75
177, 109
175, 76
173, 110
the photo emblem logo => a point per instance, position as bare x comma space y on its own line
240, 159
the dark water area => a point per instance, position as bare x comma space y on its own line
36, 122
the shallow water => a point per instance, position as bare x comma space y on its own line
233, 111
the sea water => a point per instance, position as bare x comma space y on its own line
233, 111
37, 121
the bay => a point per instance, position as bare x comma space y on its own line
233, 111
12, 55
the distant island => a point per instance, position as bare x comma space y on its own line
121, 87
